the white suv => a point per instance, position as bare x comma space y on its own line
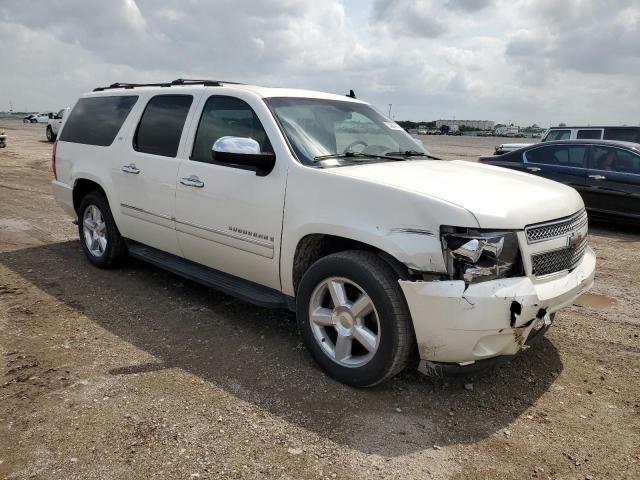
317, 202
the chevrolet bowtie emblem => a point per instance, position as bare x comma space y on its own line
575, 239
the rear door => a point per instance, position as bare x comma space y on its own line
563, 163
147, 172
613, 181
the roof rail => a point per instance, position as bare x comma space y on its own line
177, 82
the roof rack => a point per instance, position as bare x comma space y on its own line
177, 82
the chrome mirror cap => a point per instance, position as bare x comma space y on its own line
242, 145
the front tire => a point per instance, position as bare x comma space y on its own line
100, 238
354, 319
51, 137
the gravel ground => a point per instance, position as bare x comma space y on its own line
136, 373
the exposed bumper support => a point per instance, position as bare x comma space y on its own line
458, 325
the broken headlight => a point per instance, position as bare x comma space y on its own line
479, 255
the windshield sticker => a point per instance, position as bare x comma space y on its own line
393, 125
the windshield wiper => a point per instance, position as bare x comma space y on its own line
413, 153
356, 155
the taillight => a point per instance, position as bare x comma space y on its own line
53, 160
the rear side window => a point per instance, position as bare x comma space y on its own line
623, 134
161, 125
560, 155
589, 134
557, 135
97, 120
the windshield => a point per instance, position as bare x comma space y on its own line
319, 128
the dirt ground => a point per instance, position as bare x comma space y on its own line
137, 374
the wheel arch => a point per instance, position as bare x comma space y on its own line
314, 246
82, 187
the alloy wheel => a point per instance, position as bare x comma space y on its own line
94, 230
344, 322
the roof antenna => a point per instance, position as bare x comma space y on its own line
352, 94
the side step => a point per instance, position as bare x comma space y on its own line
229, 284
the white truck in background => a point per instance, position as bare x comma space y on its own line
55, 124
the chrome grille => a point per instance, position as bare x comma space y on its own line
557, 260
558, 228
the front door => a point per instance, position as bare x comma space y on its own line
613, 181
147, 172
228, 218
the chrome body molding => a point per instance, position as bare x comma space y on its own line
227, 237
413, 230
230, 237
146, 212
142, 214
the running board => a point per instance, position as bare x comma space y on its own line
229, 284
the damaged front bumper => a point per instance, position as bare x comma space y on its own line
460, 325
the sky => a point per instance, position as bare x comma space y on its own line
510, 61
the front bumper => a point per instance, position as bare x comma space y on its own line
458, 325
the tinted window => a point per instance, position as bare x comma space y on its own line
590, 134
161, 125
227, 116
97, 120
624, 134
561, 155
557, 135
615, 160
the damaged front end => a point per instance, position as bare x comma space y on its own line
477, 256
490, 304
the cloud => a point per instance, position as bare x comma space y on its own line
520, 60
409, 17
469, 5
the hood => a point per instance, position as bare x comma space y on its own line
498, 197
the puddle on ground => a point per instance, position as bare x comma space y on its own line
12, 225
593, 300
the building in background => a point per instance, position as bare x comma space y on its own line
477, 124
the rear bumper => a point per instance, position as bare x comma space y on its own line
461, 326
63, 194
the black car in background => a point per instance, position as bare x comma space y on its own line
606, 173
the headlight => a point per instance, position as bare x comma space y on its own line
478, 255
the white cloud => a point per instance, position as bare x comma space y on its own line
521, 60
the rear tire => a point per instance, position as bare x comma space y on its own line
372, 317
33, 120
100, 238
51, 137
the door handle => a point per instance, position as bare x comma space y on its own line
598, 177
131, 168
192, 181
534, 169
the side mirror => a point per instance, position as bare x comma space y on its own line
244, 153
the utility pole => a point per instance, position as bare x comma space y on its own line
390, 109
